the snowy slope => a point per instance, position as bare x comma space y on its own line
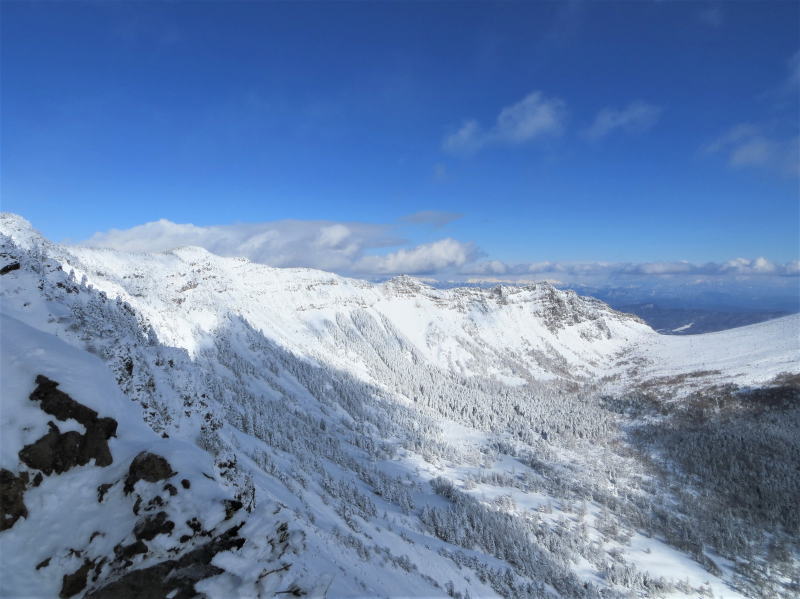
192, 402
511, 333
417, 442
748, 355
70, 523
514, 333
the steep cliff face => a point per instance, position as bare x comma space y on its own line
350, 439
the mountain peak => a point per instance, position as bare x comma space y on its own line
191, 253
406, 284
20, 230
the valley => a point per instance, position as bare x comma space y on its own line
341, 438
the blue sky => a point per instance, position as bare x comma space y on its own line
517, 133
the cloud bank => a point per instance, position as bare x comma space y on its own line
737, 266
333, 246
375, 250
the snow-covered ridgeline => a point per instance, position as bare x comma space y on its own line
340, 399
513, 334
516, 333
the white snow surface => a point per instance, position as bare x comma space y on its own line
746, 356
214, 343
510, 333
64, 511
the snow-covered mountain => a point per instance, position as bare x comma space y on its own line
341, 438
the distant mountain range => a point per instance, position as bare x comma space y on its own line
686, 321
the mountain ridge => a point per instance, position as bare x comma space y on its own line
422, 442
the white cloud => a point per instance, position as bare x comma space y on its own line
757, 266
529, 118
319, 244
637, 117
532, 117
332, 246
428, 258
737, 266
468, 138
333, 237
750, 145
490, 267
352, 248
752, 152
772, 142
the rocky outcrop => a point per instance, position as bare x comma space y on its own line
58, 452
74, 583
9, 268
54, 452
57, 403
149, 528
12, 506
172, 578
149, 467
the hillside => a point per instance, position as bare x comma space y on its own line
378, 439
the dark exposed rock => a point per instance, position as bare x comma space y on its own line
149, 467
175, 578
107, 425
12, 506
43, 564
154, 503
41, 455
58, 452
59, 404
9, 268
148, 528
185, 483
67, 451
102, 490
169, 488
167, 578
292, 591
74, 583
95, 445
231, 507
195, 525
123, 552
99, 567
37, 480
